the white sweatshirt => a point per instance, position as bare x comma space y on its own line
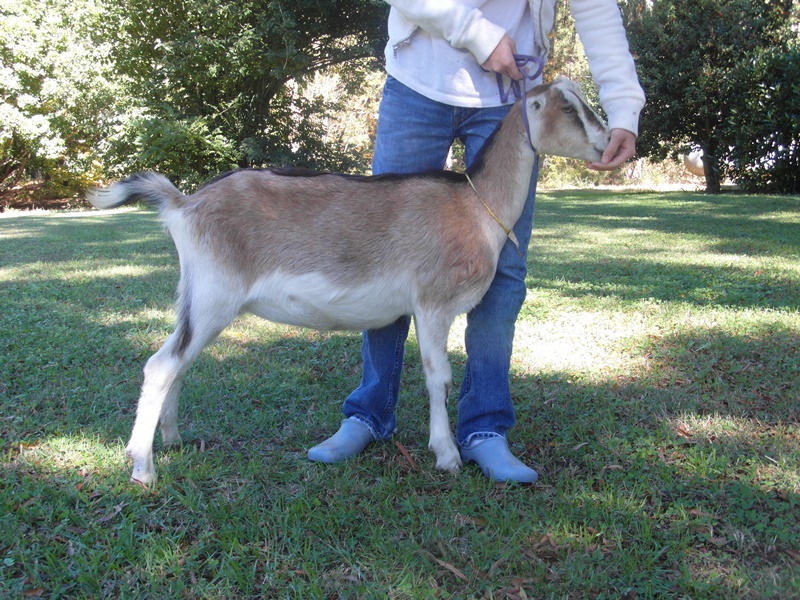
464, 26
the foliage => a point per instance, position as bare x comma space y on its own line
563, 173
221, 69
93, 90
655, 379
55, 93
765, 152
697, 60
567, 56
186, 148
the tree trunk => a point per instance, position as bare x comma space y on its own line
711, 170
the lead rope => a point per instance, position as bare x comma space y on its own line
518, 87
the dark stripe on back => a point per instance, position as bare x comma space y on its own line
451, 176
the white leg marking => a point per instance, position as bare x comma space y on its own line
432, 336
211, 312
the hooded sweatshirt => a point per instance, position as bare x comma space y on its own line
429, 41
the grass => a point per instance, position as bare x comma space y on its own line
656, 381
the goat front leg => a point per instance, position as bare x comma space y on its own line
432, 331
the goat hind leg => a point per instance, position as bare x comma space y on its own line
168, 421
432, 332
163, 376
160, 375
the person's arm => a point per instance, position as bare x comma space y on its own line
602, 32
462, 26
599, 25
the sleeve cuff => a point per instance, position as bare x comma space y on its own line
623, 115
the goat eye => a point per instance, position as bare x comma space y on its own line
568, 109
536, 105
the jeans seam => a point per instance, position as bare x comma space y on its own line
389, 408
480, 435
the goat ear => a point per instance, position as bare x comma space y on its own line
535, 103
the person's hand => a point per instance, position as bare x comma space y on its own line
621, 147
501, 60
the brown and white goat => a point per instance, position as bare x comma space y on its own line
335, 252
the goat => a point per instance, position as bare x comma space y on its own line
341, 252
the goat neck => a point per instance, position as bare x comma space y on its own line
502, 174
561, 123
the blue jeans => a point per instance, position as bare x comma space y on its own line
415, 134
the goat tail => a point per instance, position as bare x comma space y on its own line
149, 187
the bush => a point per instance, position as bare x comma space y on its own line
765, 155
56, 94
187, 150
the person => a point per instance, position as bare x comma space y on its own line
441, 61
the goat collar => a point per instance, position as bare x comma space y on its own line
518, 87
509, 232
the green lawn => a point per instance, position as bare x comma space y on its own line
656, 376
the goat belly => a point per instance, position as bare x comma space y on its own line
311, 300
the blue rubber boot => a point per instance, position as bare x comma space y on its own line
353, 436
496, 461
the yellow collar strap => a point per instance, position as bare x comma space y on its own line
509, 232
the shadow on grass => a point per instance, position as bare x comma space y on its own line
771, 220
640, 279
639, 492
570, 257
677, 480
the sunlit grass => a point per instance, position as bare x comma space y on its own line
656, 377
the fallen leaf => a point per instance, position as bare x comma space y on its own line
462, 520
454, 570
28, 502
699, 513
547, 549
793, 554
116, 510
612, 468
496, 565
33, 593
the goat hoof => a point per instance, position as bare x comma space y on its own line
143, 478
451, 462
171, 442
142, 484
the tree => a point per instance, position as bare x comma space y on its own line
211, 75
696, 60
55, 93
765, 151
